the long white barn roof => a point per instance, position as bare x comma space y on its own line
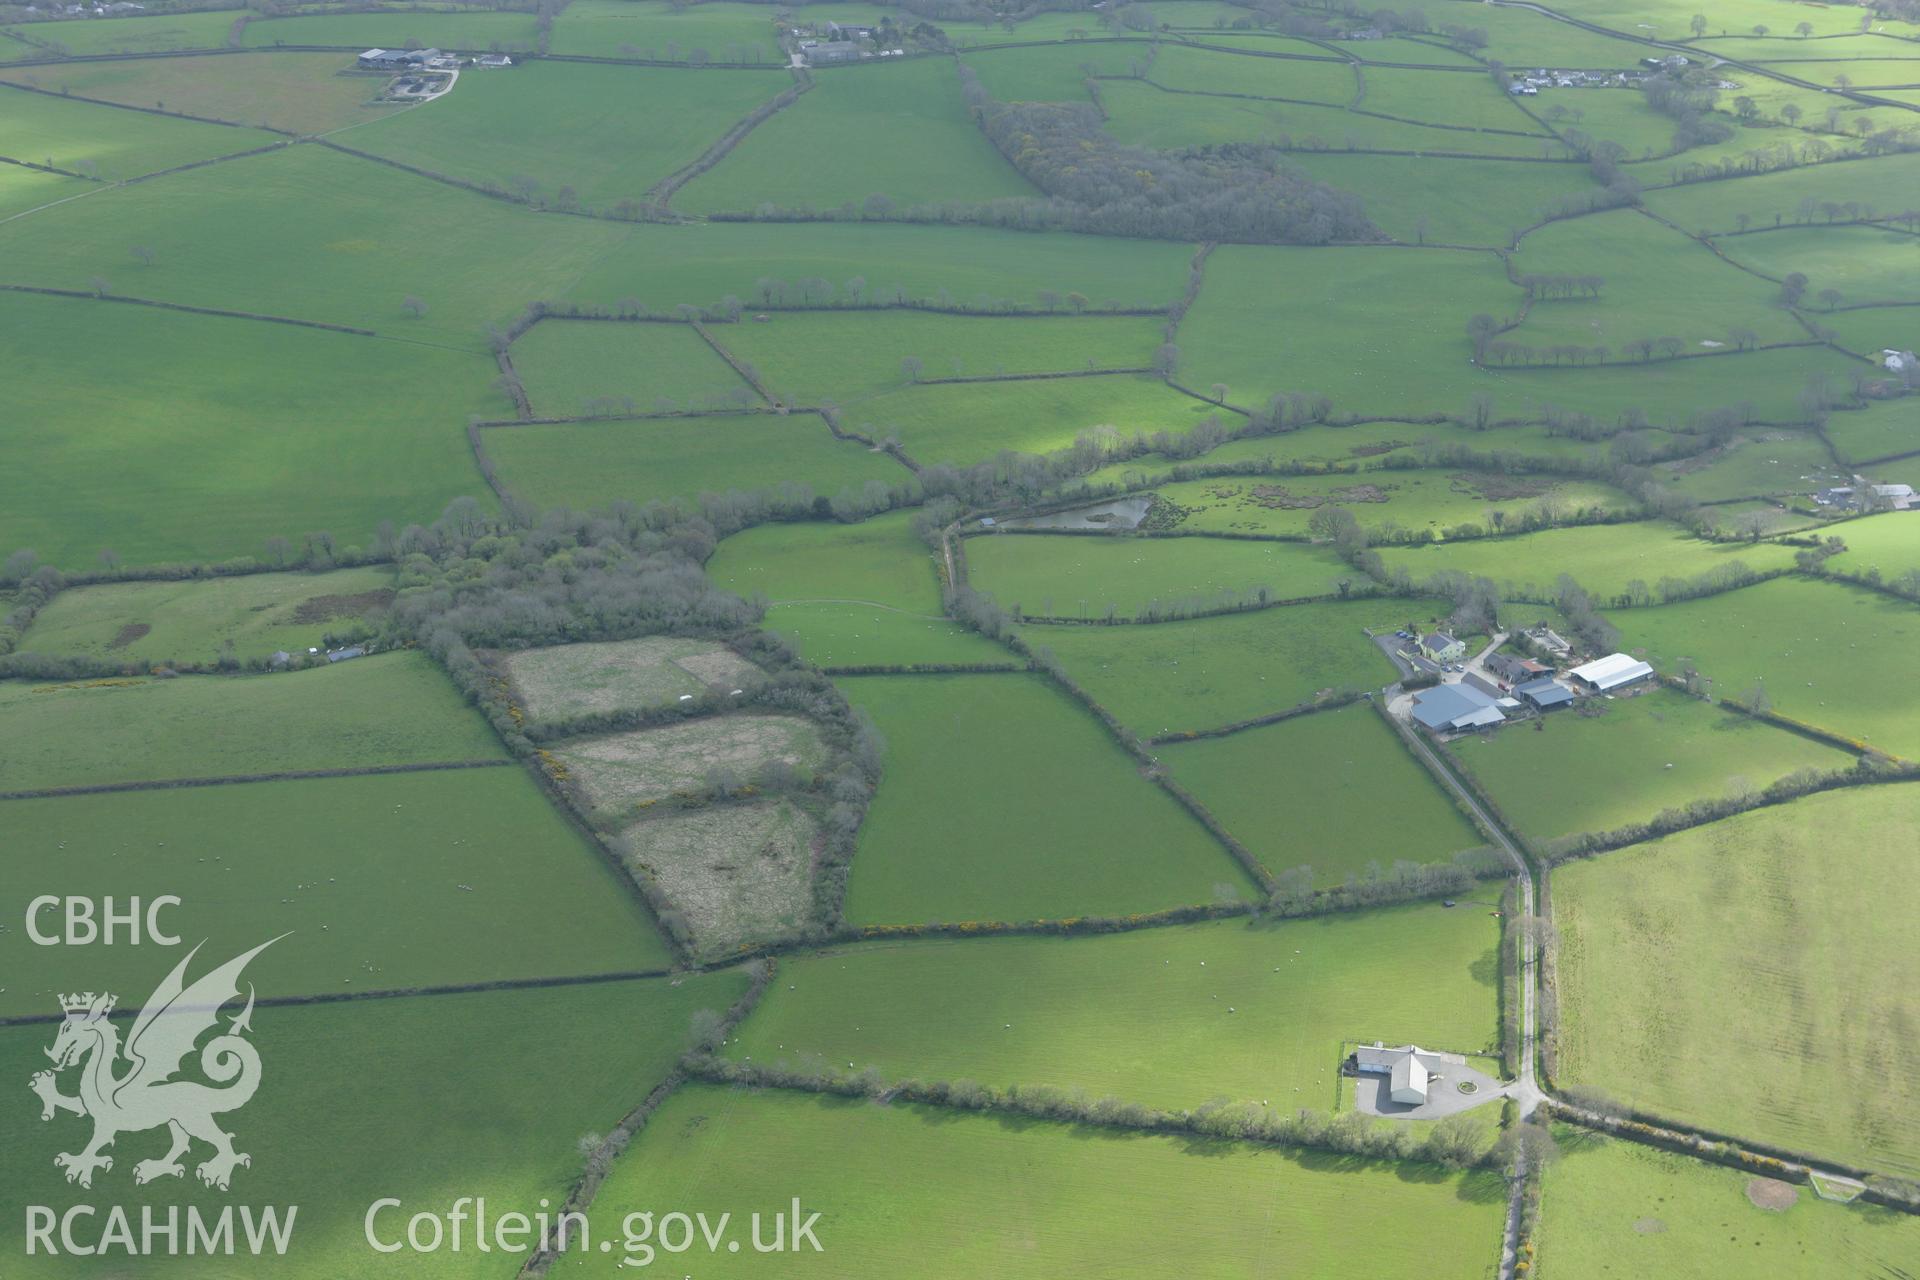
1612, 670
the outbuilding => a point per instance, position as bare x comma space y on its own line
1615, 671
1544, 695
1455, 706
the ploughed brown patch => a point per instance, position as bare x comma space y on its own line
1772, 1194
324, 608
128, 634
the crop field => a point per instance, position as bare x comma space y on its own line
101, 141
381, 710
739, 873
250, 616
1219, 1210
93, 37
1336, 792
623, 132
449, 29
1413, 500
1074, 829
1804, 965
1094, 576
917, 146
644, 460
1606, 559
621, 772
618, 675
1610, 1206
1826, 654
812, 358
1177, 677
1167, 1018
1660, 750
584, 367
298, 92
372, 1078
385, 881
282, 447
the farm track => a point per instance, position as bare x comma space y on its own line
241, 779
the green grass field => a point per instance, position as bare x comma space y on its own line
107, 142
1407, 500
809, 359
450, 29
23, 190
1645, 754
845, 635
291, 429
399, 1085
1207, 71
574, 367
384, 882
1143, 1016
298, 92
1445, 97
1606, 559
1866, 264
878, 561
1610, 1207
1072, 829
1051, 72
917, 146
1827, 654
1172, 677
1882, 542
604, 133
1448, 197
257, 614
1763, 385
1756, 463
1058, 1199
156, 34
1336, 791
384, 709
1775, 199
1805, 965
657, 31
591, 464
1092, 576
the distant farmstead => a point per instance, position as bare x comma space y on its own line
1615, 671
396, 59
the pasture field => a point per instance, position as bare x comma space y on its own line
1610, 1206
98, 140
1414, 500
389, 708
1660, 750
1336, 791
1764, 384
195, 620
374, 1079
1776, 199
1672, 19
157, 34
1140, 114
1827, 654
386, 881
1210, 72
1444, 196
1052, 72
1445, 97
1755, 464
1091, 577
847, 635
918, 146
1806, 962
656, 31
1292, 319
1525, 38
1884, 542
1866, 264
810, 359
1863, 72
1073, 830
643, 460
1606, 559
1164, 1017
738, 873
625, 772
606, 134
1657, 283
570, 680
1176, 677
587, 366
1613, 115
973, 422
298, 92
23, 190
1220, 1209
292, 429
1868, 331
878, 562
473, 30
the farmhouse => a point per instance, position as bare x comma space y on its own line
1410, 1071
1614, 671
1455, 706
1544, 695
1517, 671
1442, 647
833, 51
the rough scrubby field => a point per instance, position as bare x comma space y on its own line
619, 675
623, 770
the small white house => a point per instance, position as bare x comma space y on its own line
1407, 1082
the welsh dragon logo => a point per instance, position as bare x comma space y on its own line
126, 1089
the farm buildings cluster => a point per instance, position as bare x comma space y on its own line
1497, 687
